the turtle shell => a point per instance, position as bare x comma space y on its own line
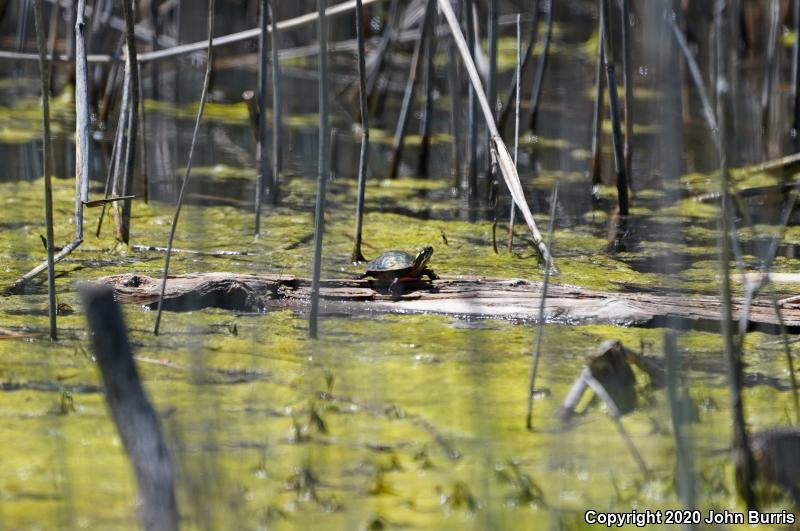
391, 261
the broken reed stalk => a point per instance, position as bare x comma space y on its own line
132, 411
613, 107
540, 321
426, 125
323, 168
517, 77
454, 88
363, 157
491, 93
513, 90
109, 90
408, 95
18, 284
119, 140
124, 222
82, 144
697, 77
627, 68
491, 82
770, 72
44, 76
538, 81
261, 129
507, 167
743, 458
679, 409
382, 51
795, 132
491, 172
277, 112
187, 174
472, 108
597, 126
143, 143
114, 161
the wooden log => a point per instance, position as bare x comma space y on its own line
136, 420
512, 299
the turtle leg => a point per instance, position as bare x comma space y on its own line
396, 288
429, 273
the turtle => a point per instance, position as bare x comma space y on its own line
392, 268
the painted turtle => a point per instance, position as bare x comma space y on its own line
392, 268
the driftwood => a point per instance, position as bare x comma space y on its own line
466, 296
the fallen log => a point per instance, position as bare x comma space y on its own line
511, 299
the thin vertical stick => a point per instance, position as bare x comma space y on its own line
116, 152
44, 75
678, 409
491, 94
454, 87
427, 111
123, 227
613, 104
82, 146
796, 75
513, 88
323, 167
263, 159
540, 322
627, 68
743, 457
770, 71
364, 153
383, 49
201, 108
143, 142
697, 77
472, 111
597, 129
491, 83
408, 96
538, 81
277, 111
517, 77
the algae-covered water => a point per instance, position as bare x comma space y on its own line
403, 420
387, 420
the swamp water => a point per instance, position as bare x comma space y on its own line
387, 420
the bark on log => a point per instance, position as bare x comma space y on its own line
466, 296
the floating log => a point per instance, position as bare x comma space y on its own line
511, 299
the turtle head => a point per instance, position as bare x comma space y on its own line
423, 257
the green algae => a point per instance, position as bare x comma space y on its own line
363, 463
326, 434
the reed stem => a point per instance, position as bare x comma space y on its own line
123, 227
323, 169
44, 76
743, 458
188, 172
82, 145
363, 157
538, 81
